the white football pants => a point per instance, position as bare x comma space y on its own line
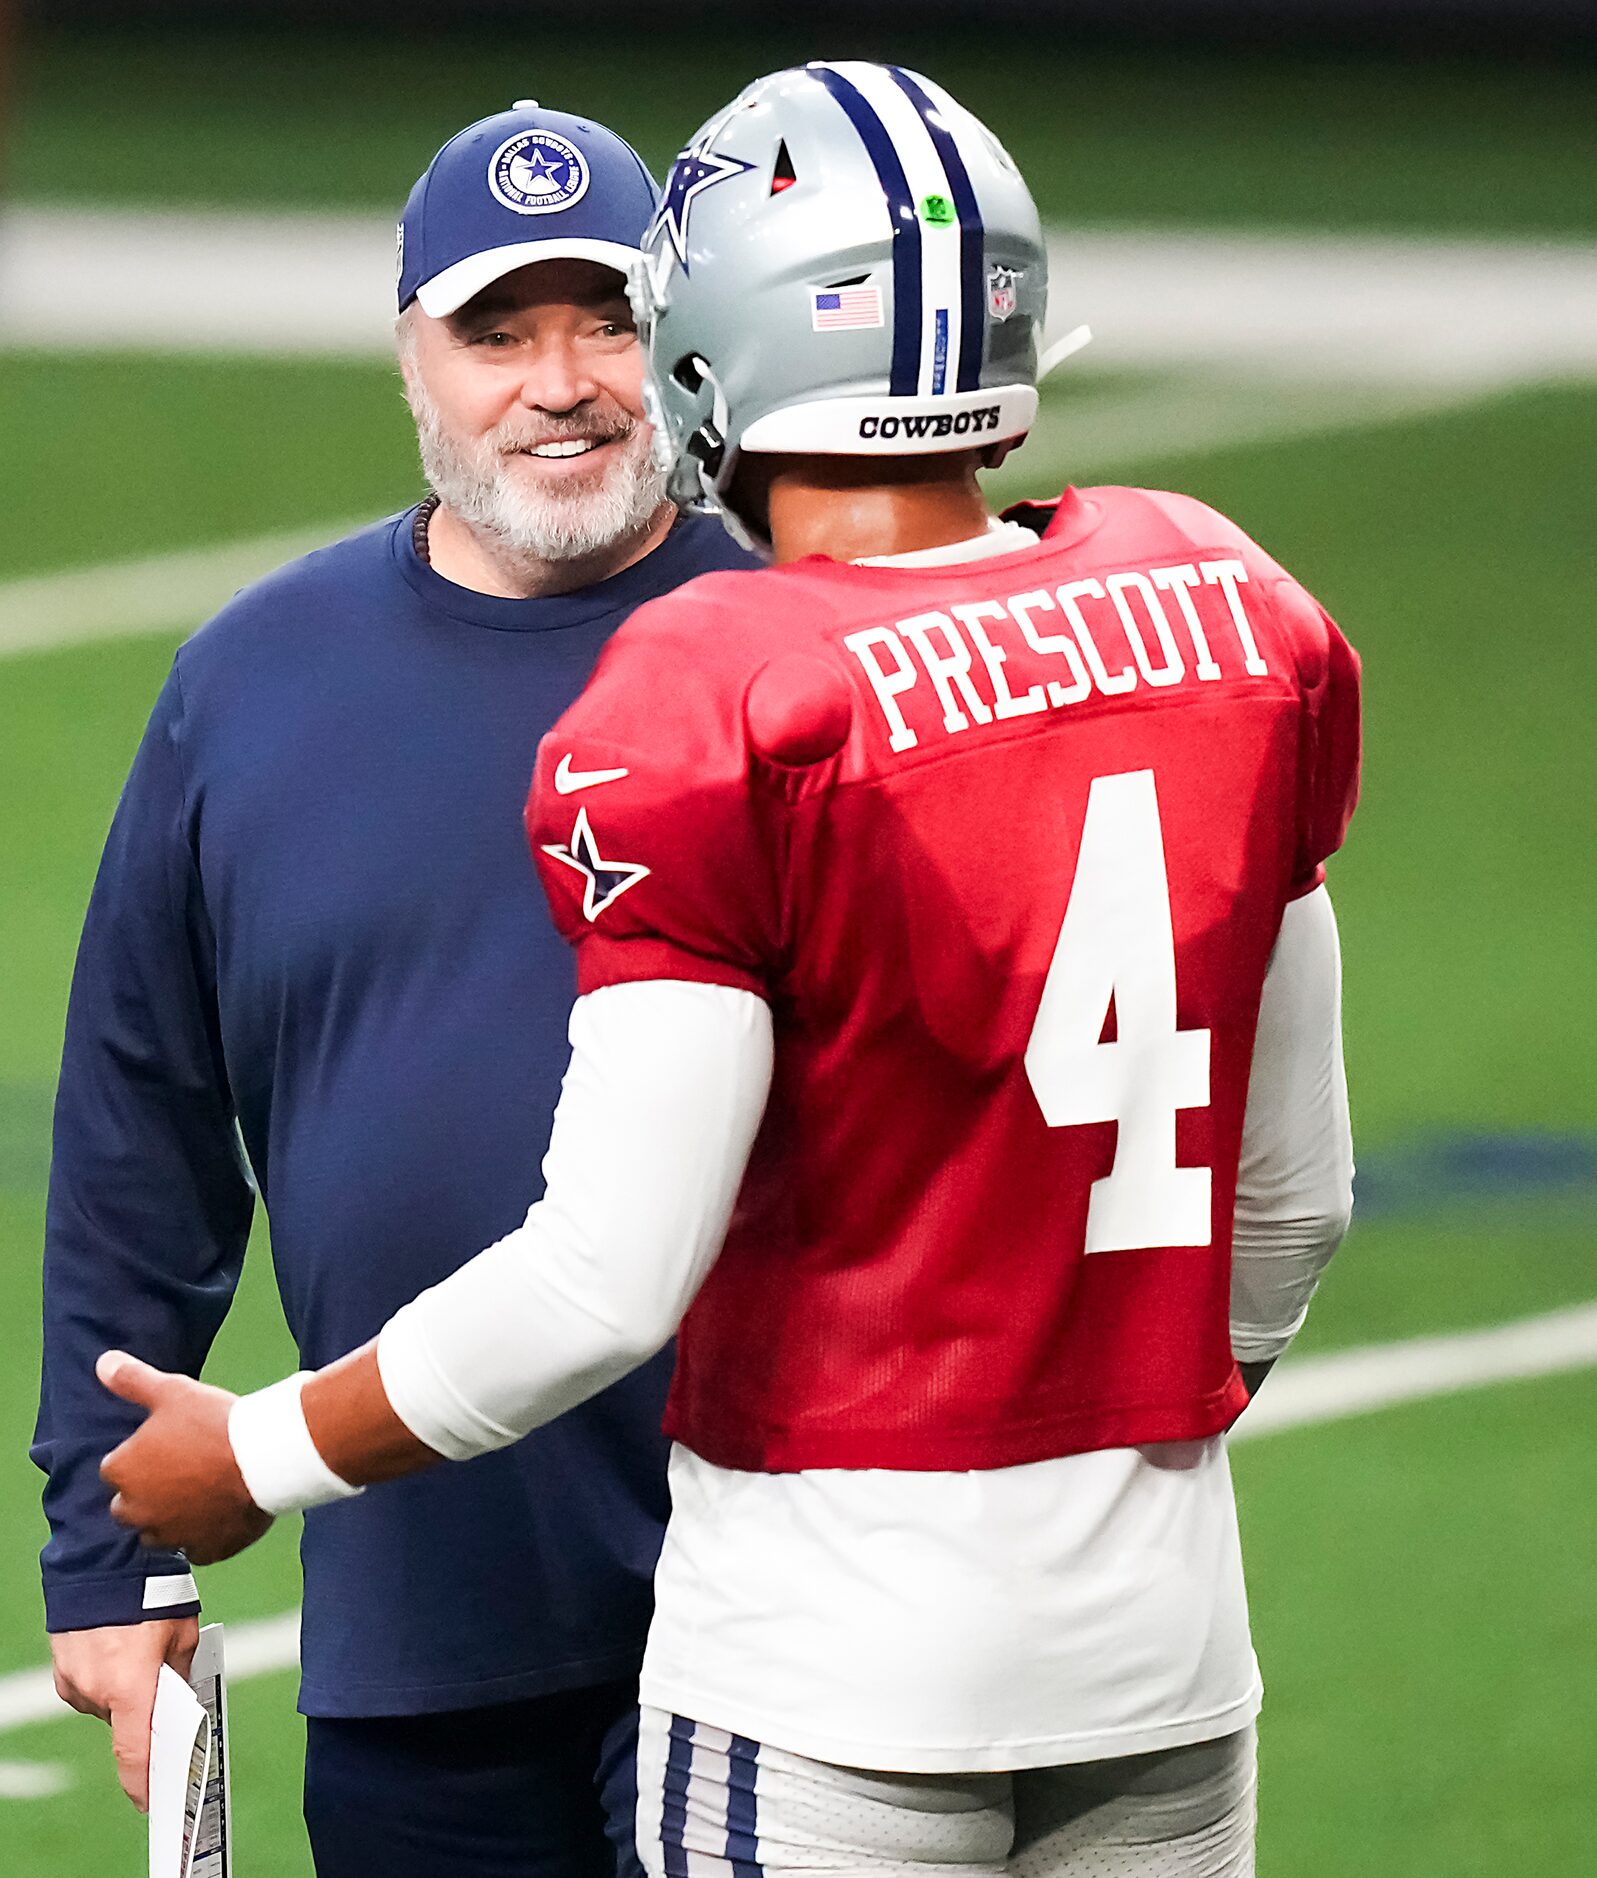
715, 1805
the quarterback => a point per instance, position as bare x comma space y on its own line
957, 1063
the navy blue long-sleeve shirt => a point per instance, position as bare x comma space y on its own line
316, 915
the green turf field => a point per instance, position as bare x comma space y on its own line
1421, 1577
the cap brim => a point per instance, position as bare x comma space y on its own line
448, 291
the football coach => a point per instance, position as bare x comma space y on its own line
316, 934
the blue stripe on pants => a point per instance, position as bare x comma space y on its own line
742, 1820
674, 1799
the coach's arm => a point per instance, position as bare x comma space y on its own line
149, 1210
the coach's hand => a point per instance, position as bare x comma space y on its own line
176, 1479
111, 1673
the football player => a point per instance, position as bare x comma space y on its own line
957, 1060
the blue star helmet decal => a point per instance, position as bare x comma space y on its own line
697, 169
606, 880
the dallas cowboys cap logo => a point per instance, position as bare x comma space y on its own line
697, 169
537, 172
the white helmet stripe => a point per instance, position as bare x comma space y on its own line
941, 122
941, 246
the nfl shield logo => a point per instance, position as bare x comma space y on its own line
1001, 296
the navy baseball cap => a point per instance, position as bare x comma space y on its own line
525, 185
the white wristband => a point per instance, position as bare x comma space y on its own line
275, 1453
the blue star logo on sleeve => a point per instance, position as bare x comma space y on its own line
697, 169
606, 880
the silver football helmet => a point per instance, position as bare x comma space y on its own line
844, 262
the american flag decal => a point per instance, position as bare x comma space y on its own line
836, 309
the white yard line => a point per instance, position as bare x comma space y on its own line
158, 592
1306, 1393
1313, 305
1344, 309
34, 1780
1355, 1382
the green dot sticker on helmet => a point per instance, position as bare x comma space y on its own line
937, 210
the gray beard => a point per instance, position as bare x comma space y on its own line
475, 481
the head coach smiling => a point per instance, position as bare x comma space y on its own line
315, 927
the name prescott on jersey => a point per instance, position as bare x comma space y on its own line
947, 645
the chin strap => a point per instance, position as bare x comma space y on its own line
743, 533
1055, 355
1051, 359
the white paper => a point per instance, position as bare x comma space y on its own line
189, 1791
180, 1756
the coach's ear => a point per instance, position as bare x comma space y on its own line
995, 453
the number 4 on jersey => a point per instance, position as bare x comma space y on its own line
1117, 942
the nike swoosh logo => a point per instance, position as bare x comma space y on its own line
569, 780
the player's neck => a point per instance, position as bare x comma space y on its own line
852, 508
472, 557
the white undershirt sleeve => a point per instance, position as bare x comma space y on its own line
657, 1114
1295, 1179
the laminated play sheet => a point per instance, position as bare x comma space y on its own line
190, 1835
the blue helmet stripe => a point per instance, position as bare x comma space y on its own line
906, 229
972, 234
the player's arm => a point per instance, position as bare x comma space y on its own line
1294, 1190
658, 1112
657, 1115
148, 1213
1295, 1177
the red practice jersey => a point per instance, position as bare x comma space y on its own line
1005, 846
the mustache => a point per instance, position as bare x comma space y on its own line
511, 440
